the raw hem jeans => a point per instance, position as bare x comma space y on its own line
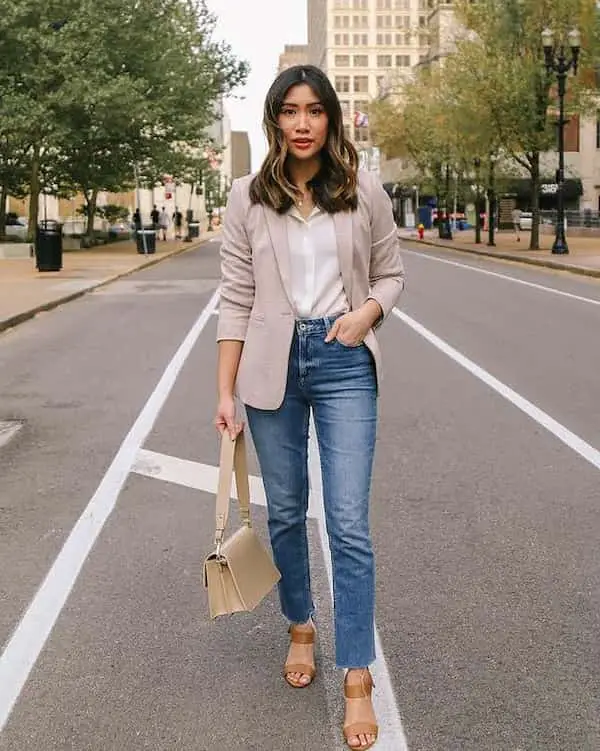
339, 384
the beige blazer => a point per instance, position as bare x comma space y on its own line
256, 295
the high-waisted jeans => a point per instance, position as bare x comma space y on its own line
339, 384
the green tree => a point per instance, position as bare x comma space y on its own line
502, 70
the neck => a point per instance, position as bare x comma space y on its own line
302, 172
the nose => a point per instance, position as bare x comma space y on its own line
302, 122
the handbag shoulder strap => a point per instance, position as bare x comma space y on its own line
233, 459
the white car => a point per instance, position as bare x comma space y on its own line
16, 227
526, 220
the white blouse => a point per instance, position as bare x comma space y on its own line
317, 287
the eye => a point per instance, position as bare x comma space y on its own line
288, 112
316, 111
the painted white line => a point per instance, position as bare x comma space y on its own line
585, 450
506, 278
391, 733
204, 477
23, 648
8, 430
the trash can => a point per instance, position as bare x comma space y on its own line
194, 229
149, 236
48, 246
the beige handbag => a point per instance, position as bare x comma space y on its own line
240, 573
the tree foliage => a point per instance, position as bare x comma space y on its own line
494, 94
89, 88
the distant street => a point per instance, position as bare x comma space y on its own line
486, 521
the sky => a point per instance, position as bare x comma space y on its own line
257, 31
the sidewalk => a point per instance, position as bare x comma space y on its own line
583, 257
24, 291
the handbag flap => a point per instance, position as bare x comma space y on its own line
254, 573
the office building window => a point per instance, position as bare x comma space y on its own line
341, 22
402, 5
403, 40
361, 61
345, 105
342, 40
384, 4
384, 61
342, 84
384, 22
402, 22
402, 61
361, 84
361, 135
342, 61
360, 40
384, 40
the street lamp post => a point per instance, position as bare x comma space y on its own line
492, 202
477, 164
557, 62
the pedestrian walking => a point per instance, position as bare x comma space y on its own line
310, 266
516, 220
178, 223
163, 223
137, 220
154, 217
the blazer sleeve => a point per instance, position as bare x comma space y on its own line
386, 270
237, 274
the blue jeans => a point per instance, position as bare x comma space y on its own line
339, 384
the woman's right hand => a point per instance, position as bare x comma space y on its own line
225, 418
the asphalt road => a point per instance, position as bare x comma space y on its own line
486, 520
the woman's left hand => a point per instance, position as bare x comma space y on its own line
351, 328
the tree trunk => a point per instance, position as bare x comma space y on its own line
3, 191
91, 205
34, 194
534, 243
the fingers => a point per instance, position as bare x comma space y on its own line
228, 423
333, 331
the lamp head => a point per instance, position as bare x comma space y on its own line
575, 45
548, 45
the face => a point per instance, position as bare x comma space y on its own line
304, 122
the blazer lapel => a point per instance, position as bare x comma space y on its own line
345, 248
277, 227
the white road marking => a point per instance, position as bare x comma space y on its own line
585, 450
507, 278
391, 733
195, 475
23, 649
8, 430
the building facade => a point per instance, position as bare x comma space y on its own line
293, 54
241, 154
366, 47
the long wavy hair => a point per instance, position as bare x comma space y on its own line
335, 186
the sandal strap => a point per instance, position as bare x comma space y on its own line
302, 637
298, 667
360, 728
360, 690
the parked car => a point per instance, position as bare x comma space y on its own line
16, 227
526, 222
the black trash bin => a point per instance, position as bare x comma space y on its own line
48, 246
149, 236
194, 229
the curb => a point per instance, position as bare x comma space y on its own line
9, 323
556, 265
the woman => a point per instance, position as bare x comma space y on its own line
310, 265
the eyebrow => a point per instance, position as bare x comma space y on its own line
294, 104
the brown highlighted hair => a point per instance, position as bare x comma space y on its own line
335, 186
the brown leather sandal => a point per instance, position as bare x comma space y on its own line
357, 708
300, 636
